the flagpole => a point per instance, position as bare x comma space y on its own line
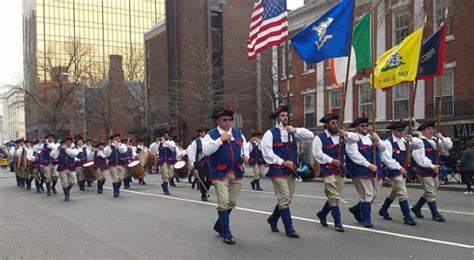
440, 96
287, 68
411, 107
374, 90
344, 90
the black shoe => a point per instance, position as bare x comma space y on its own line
339, 229
252, 184
204, 198
411, 222
229, 240
143, 183
356, 216
217, 228
272, 228
172, 183
53, 189
368, 225
293, 234
323, 221
417, 213
439, 218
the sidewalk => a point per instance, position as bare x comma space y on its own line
453, 186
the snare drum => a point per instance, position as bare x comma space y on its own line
90, 171
136, 169
181, 170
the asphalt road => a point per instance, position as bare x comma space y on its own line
143, 223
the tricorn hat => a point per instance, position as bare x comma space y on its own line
281, 108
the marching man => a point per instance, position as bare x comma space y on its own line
279, 149
256, 159
226, 150
112, 152
427, 169
394, 158
66, 156
366, 174
198, 161
166, 160
330, 155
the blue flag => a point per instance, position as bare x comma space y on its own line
328, 36
433, 55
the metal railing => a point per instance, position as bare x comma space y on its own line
456, 109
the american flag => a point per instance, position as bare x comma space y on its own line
268, 27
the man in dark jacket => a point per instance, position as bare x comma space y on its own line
466, 166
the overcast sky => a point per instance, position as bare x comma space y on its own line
11, 43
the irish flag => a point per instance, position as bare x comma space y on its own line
361, 57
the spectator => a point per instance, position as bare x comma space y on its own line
466, 166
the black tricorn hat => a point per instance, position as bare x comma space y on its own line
114, 135
331, 116
426, 125
257, 133
360, 120
48, 135
397, 125
77, 138
202, 129
281, 108
223, 111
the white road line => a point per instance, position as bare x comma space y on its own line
436, 241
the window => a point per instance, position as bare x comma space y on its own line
401, 22
447, 94
335, 100
365, 100
400, 101
283, 60
439, 14
309, 110
308, 67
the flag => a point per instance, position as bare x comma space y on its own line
328, 36
432, 55
268, 26
361, 56
400, 63
338, 68
361, 41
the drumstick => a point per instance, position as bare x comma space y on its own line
202, 183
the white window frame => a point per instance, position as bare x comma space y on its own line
449, 31
331, 101
308, 68
404, 11
311, 111
394, 99
369, 112
283, 60
443, 94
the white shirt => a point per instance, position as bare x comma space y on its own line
71, 152
122, 148
191, 151
352, 149
318, 153
419, 154
250, 146
301, 134
154, 147
210, 146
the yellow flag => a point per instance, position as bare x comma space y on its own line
400, 63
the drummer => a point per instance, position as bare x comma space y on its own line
90, 149
83, 156
112, 152
124, 160
197, 161
142, 152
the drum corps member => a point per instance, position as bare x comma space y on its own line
427, 169
226, 150
279, 149
366, 175
394, 159
198, 161
329, 153
256, 159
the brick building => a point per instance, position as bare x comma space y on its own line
312, 94
197, 60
